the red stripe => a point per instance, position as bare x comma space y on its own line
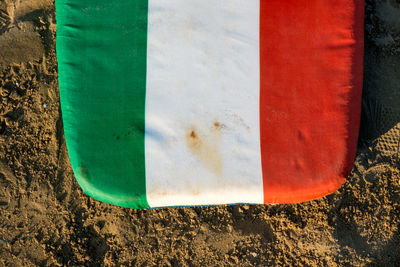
310, 100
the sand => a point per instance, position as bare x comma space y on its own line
46, 220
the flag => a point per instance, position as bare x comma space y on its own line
209, 102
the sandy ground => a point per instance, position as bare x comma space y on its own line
45, 219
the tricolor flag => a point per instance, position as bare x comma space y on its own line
208, 102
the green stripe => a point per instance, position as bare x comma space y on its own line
101, 48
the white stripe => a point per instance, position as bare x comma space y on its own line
202, 103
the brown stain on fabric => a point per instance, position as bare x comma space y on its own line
206, 149
217, 129
217, 125
83, 173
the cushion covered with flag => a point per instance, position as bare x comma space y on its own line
208, 102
